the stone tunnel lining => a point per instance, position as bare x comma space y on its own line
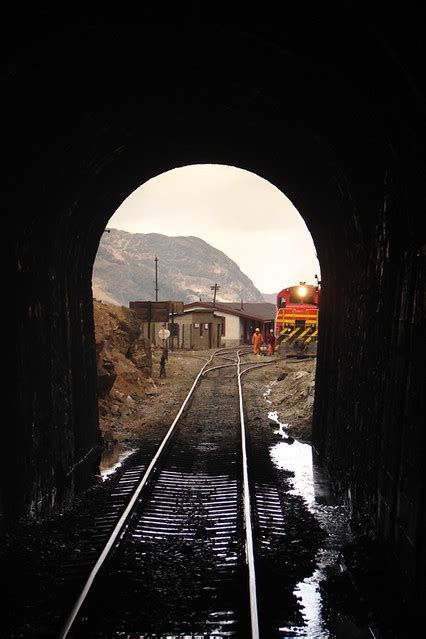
351, 162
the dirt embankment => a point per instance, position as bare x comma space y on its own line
292, 396
134, 400
288, 389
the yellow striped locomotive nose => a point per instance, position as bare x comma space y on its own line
296, 320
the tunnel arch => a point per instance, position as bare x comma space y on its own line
91, 123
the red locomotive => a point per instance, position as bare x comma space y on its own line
296, 321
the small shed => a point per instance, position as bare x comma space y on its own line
198, 329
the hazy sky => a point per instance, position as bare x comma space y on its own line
235, 211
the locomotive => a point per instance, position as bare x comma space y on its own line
296, 320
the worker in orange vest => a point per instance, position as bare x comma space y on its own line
257, 341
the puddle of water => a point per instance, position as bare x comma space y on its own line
311, 483
267, 393
112, 457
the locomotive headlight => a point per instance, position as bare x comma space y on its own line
302, 291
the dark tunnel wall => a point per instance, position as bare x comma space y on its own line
337, 127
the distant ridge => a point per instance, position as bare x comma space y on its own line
124, 270
270, 297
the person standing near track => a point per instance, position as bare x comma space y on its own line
270, 340
257, 341
163, 365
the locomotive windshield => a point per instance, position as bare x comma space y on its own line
296, 299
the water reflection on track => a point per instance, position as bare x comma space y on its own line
312, 484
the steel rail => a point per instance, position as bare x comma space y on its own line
119, 528
213, 368
254, 615
234, 362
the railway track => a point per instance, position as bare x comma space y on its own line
174, 551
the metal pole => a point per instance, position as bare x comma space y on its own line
156, 278
214, 288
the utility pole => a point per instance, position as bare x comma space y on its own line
214, 288
156, 278
173, 329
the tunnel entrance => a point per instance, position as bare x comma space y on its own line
223, 243
357, 176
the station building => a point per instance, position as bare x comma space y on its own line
204, 325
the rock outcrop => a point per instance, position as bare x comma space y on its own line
124, 360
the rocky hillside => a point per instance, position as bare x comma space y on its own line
124, 270
124, 361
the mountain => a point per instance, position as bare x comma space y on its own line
124, 270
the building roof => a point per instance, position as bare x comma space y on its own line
263, 311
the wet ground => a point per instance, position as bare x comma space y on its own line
351, 592
113, 457
310, 482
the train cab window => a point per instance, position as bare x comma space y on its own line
282, 302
